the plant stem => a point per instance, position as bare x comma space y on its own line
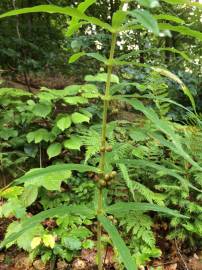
103, 145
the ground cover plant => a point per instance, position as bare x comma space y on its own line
92, 177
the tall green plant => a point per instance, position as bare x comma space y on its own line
122, 20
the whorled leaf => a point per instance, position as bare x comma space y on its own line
76, 56
169, 17
184, 30
37, 174
184, 2
118, 19
74, 24
69, 11
126, 207
118, 243
146, 19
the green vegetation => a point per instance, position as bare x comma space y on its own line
101, 161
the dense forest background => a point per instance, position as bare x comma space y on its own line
35, 46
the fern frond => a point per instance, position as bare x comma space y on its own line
140, 227
193, 142
120, 151
159, 90
91, 140
198, 178
126, 177
134, 187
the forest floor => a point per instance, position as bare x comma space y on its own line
173, 258
35, 82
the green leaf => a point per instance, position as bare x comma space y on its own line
175, 78
61, 211
89, 90
101, 77
50, 181
145, 18
64, 122
11, 192
169, 17
45, 96
76, 45
29, 195
54, 150
72, 12
74, 143
173, 50
74, 25
75, 100
42, 109
52, 171
181, 29
73, 28
184, 2
39, 135
24, 241
149, 3
8, 133
126, 207
88, 244
76, 56
49, 240
80, 232
14, 92
36, 241
13, 207
85, 5
118, 242
70, 90
72, 243
176, 2
118, 19
98, 57
78, 118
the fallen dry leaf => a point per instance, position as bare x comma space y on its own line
22, 261
195, 264
62, 265
39, 265
2, 257
89, 255
79, 264
171, 267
